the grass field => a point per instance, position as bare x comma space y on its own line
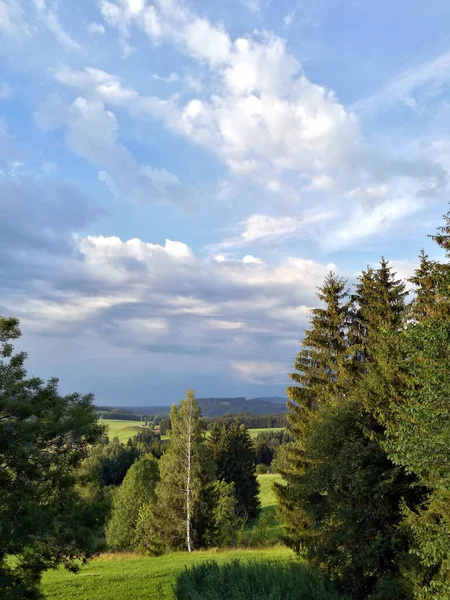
133, 577
124, 577
125, 430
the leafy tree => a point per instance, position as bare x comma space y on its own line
418, 439
171, 523
233, 453
43, 438
136, 490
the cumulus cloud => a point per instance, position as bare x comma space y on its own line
154, 298
264, 119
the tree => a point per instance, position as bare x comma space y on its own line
233, 453
136, 490
108, 463
171, 523
43, 438
418, 439
342, 503
323, 372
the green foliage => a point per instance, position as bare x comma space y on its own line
108, 463
233, 453
136, 490
418, 438
268, 580
227, 526
323, 368
343, 498
148, 442
177, 516
43, 438
352, 495
267, 444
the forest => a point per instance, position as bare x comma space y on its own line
363, 497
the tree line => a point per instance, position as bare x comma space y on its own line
367, 473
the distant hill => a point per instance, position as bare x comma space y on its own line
215, 407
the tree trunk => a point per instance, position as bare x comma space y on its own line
188, 482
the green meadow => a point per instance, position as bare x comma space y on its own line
126, 576
124, 430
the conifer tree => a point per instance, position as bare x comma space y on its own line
234, 455
324, 370
178, 493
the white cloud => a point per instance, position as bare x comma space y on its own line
262, 372
253, 6
12, 19
433, 74
95, 28
260, 228
169, 79
232, 309
50, 19
267, 121
92, 132
289, 19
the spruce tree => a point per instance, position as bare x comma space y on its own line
233, 452
178, 493
324, 370
424, 304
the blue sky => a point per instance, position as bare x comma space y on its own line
177, 177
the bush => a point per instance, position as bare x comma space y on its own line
137, 489
266, 580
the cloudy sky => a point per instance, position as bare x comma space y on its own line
177, 177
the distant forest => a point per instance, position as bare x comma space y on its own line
210, 407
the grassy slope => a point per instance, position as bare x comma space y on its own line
124, 430
128, 577
120, 577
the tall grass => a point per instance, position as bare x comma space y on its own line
265, 580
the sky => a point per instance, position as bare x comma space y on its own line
177, 177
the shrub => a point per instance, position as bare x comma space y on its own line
265, 580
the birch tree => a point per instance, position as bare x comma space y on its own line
178, 493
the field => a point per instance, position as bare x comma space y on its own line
133, 577
125, 430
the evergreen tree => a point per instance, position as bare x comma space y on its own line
182, 472
324, 370
233, 452
137, 489
342, 504
43, 438
424, 304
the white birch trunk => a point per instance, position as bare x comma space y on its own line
188, 481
